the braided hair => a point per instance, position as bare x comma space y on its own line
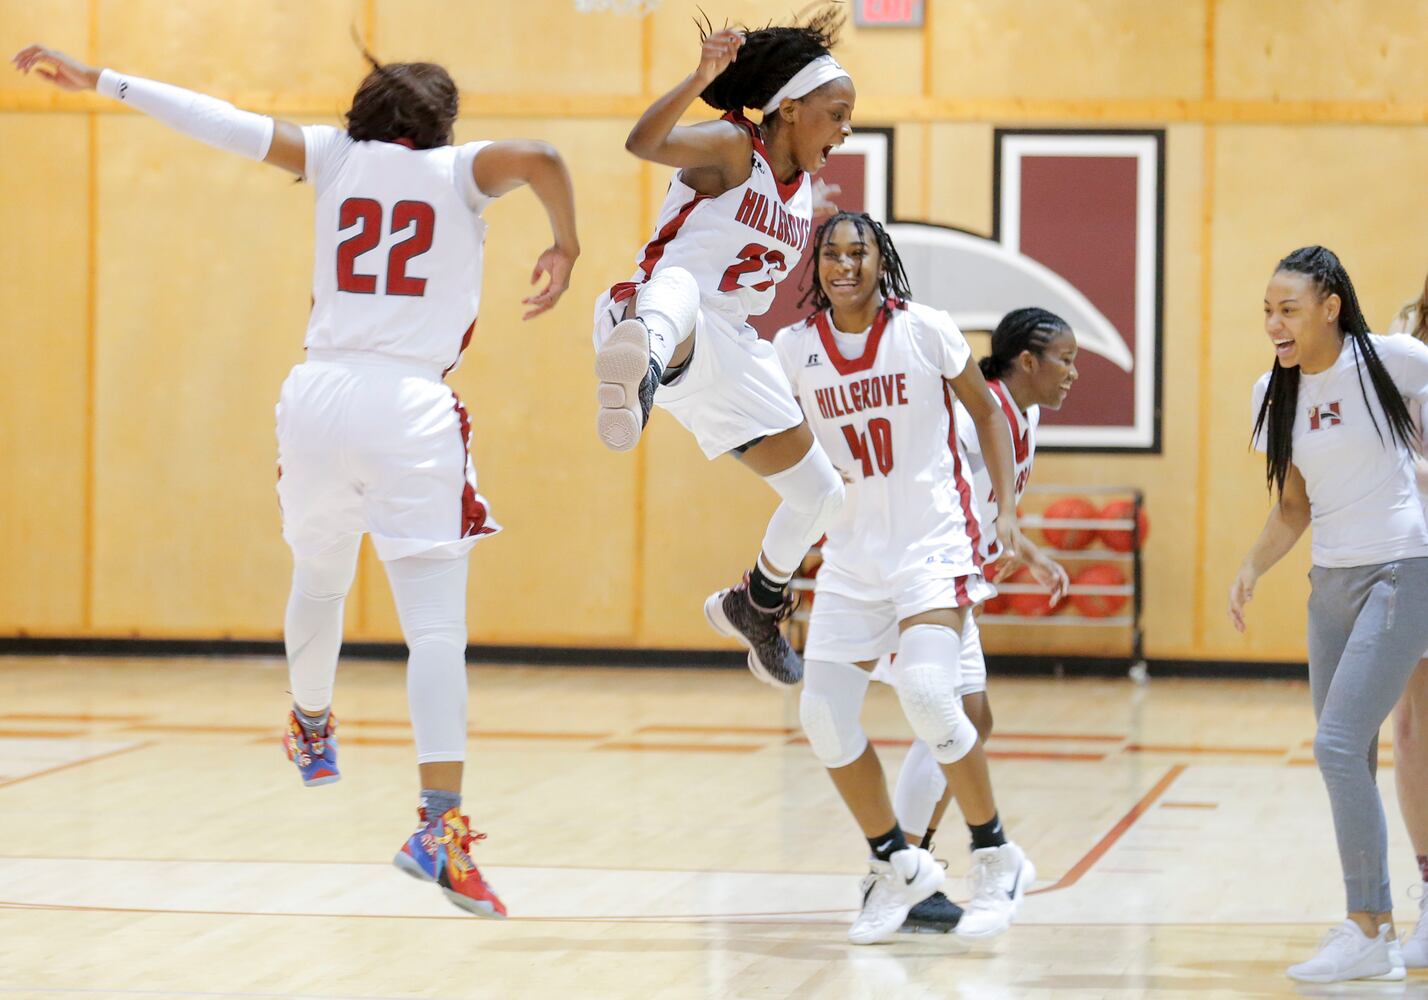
892, 279
1281, 398
414, 101
1030, 329
769, 58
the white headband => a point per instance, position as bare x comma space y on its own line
806, 81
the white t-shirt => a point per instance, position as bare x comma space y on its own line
397, 260
880, 406
1363, 497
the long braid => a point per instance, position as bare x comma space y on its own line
1281, 399
892, 277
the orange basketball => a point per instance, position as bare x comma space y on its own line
1119, 539
1070, 508
1031, 605
1098, 575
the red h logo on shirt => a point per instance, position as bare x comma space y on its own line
1325, 415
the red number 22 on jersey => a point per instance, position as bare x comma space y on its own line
754, 259
369, 214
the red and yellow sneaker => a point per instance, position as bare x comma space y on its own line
439, 852
315, 754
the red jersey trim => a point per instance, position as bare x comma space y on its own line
465, 343
1022, 443
964, 487
785, 191
869, 356
473, 512
654, 249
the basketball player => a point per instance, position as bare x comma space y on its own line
734, 224
370, 439
1335, 419
1410, 717
1032, 365
878, 377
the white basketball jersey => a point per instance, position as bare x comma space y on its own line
738, 245
887, 418
1023, 434
397, 268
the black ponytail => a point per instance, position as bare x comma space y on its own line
768, 59
1030, 329
892, 279
1281, 399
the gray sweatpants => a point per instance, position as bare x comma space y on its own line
1368, 626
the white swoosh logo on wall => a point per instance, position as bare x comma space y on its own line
978, 281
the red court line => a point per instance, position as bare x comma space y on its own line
692, 747
167, 727
1196, 748
74, 763
771, 730
517, 734
1068, 737
1115, 833
59, 734
77, 717
1037, 755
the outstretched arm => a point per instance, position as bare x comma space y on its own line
207, 119
504, 166
994, 436
1286, 522
716, 154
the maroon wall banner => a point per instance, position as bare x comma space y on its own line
1089, 207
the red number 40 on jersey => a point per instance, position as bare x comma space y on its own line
880, 434
369, 213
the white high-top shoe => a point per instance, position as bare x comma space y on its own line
1000, 877
1346, 953
891, 889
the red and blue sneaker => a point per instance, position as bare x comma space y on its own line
314, 754
439, 852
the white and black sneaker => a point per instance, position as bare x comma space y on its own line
1347, 953
733, 613
628, 378
934, 915
1000, 877
1415, 946
890, 890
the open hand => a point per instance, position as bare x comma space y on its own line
61, 70
557, 263
1241, 593
1051, 575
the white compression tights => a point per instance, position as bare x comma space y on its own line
430, 595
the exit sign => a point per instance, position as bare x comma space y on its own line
888, 13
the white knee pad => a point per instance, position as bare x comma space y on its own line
831, 709
920, 785
669, 305
927, 672
813, 494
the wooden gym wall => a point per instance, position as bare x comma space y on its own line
155, 291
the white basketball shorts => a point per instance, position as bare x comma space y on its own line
733, 390
367, 444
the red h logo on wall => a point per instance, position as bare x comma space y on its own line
1325, 415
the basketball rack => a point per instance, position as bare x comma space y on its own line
1134, 590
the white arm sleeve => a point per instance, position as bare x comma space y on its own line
206, 119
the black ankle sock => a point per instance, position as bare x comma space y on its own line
765, 593
988, 834
926, 844
885, 846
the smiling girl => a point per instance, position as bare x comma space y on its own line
879, 378
734, 224
1333, 417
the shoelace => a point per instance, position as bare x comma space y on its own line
459, 832
982, 879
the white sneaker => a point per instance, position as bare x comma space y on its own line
1346, 953
1415, 946
1000, 877
891, 889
